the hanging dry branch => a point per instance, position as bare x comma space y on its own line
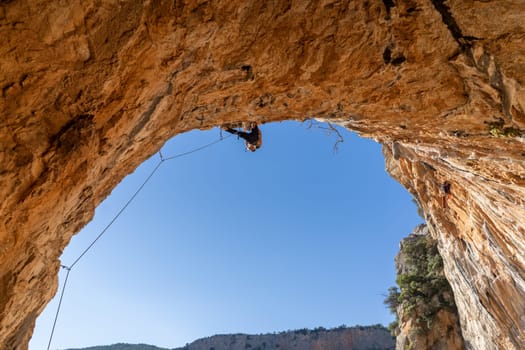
330, 130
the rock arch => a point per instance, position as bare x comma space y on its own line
90, 89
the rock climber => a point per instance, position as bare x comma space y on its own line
253, 138
445, 188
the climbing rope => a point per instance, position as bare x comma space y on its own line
59, 304
104, 230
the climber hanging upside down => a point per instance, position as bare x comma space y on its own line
253, 138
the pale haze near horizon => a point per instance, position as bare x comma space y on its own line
227, 241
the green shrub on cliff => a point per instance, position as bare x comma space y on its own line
423, 289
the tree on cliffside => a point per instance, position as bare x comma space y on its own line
423, 289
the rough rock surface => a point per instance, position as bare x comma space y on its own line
427, 315
89, 89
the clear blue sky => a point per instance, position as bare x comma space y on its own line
228, 241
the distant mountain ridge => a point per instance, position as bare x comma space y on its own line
122, 346
374, 337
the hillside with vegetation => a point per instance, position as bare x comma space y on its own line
374, 337
423, 301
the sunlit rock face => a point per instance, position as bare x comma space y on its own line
90, 89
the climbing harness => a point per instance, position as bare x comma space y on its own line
104, 230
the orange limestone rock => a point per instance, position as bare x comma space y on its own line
90, 89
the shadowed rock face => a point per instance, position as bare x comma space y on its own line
90, 89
